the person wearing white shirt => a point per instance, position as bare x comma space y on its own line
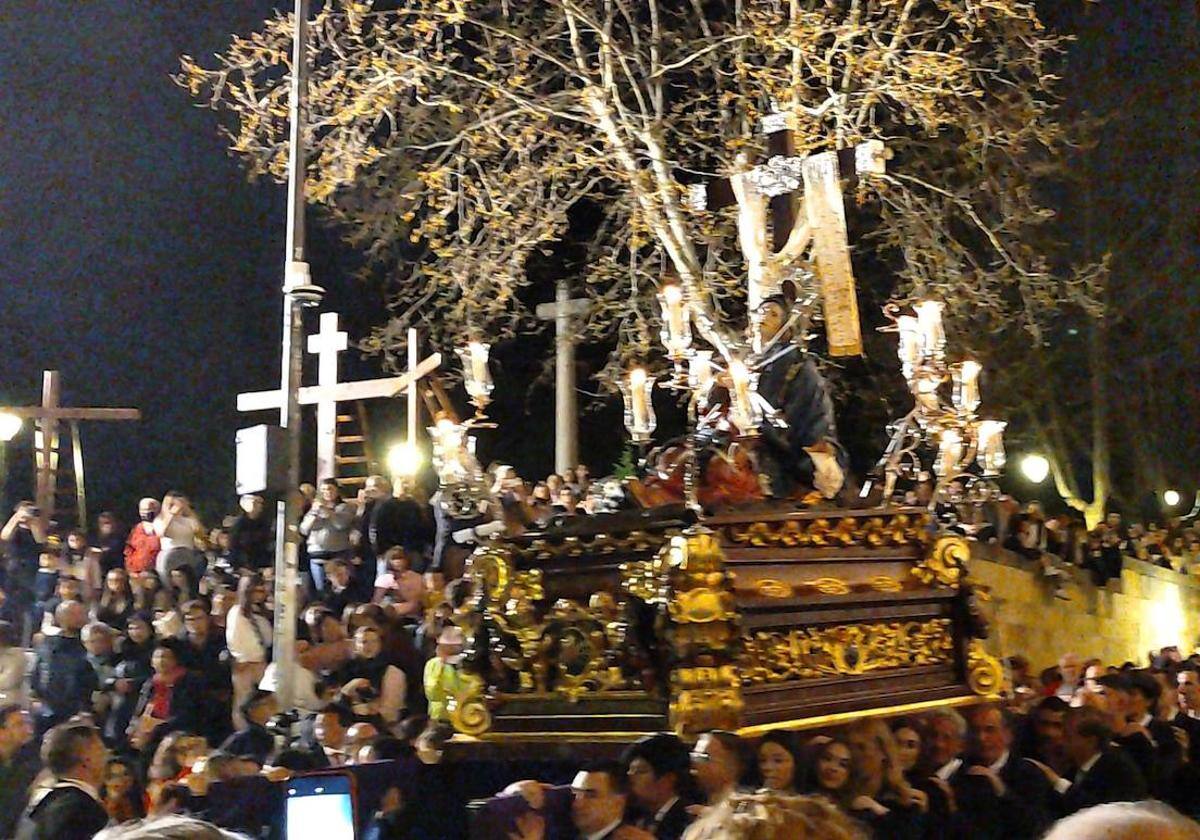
598, 804
248, 637
176, 526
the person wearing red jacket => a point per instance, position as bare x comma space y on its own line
143, 544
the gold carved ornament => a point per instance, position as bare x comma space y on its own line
945, 563
468, 712
809, 652
985, 674
775, 588
874, 532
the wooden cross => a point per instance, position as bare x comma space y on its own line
327, 344
47, 417
563, 312
822, 225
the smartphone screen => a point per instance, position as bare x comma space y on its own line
320, 808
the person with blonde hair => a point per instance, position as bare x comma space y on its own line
879, 794
771, 815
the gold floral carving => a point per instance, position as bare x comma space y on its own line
873, 532
805, 653
945, 562
704, 698
985, 674
775, 588
772, 588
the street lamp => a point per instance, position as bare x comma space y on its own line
1171, 498
1035, 468
404, 460
10, 425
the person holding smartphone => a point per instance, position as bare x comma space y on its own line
24, 537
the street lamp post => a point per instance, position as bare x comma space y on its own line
298, 292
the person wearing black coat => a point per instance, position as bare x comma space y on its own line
1104, 773
170, 701
1023, 792
660, 789
63, 678
255, 739
71, 809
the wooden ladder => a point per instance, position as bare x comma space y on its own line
354, 455
70, 501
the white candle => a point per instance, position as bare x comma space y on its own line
991, 456
479, 364
638, 402
700, 370
929, 321
743, 404
676, 335
966, 385
949, 452
909, 348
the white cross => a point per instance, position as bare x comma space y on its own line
328, 392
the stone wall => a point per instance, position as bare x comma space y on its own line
1146, 609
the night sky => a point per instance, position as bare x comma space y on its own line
137, 258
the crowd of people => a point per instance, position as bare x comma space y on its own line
136, 673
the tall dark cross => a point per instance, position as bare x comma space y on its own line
783, 179
47, 417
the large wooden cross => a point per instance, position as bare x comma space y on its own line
821, 224
327, 344
47, 417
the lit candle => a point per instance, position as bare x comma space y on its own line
949, 453
479, 360
639, 410
991, 456
910, 344
966, 385
929, 321
700, 371
744, 414
676, 334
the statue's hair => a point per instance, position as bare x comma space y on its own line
770, 815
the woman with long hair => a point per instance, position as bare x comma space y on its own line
145, 585
248, 636
116, 600
177, 527
780, 764
183, 584
880, 795
831, 773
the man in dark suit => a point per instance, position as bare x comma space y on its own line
978, 802
659, 773
1132, 699
71, 809
1104, 773
1023, 791
19, 765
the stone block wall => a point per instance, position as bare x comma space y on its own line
1147, 609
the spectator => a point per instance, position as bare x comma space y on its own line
170, 701
598, 805
208, 658
443, 678
252, 536
122, 793
371, 681
254, 739
63, 679
879, 795
772, 815
717, 764
340, 592
110, 545
400, 587
19, 765
143, 544
177, 528
1126, 821
1103, 774
659, 771
169, 827
13, 665
24, 537
115, 604
1024, 794
779, 762
831, 772
71, 809
326, 527
248, 637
